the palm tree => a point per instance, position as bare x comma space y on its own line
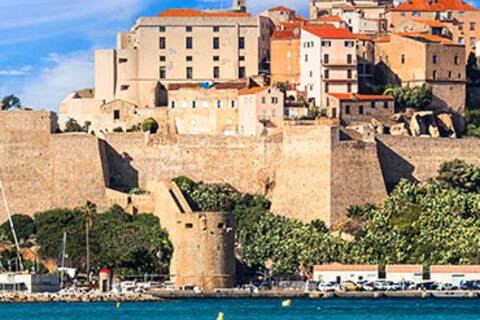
90, 212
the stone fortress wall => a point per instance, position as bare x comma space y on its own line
307, 170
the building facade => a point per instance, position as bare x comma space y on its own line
328, 63
373, 8
351, 108
404, 272
461, 18
260, 110
455, 275
340, 272
285, 54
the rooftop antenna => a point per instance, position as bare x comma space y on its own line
7, 208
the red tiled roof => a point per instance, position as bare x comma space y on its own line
458, 268
252, 91
385, 38
362, 36
286, 34
197, 13
329, 33
437, 5
345, 267
347, 8
431, 23
360, 97
416, 268
281, 8
329, 19
427, 37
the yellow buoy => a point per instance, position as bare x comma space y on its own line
118, 305
220, 316
286, 303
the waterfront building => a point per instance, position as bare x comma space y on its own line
29, 282
343, 272
260, 110
404, 272
461, 18
455, 275
328, 63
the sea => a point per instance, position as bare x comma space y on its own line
251, 309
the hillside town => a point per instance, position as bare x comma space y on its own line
222, 150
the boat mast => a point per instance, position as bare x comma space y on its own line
9, 214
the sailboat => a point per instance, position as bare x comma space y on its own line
62, 257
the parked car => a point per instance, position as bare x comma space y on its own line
365, 285
425, 285
447, 287
383, 285
349, 286
471, 285
328, 287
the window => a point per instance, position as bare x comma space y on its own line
347, 109
311, 74
216, 72
326, 74
450, 74
232, 104
163, 43
349, 74
403, 59
188, 225
161, 28
163, 73
241, 72
241, 43
472, 26
163, 59
306, 58
402, 13
456, 60
216, 58
326, 43
349, 87
189, 73
372, 105
327, 87
216, 43
360, 110
274, 100
385, 105
461, 40
434, 59
472, 41
116, 114
349, 44
219, 104
189, 58
216, 29
124, 87
172, 104
189, 43
264, 100
434, 74
326, 58
122, 60
241, 58
349, 59
194, 104
416, 13
460, 27
189, 28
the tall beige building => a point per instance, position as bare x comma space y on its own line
182, 45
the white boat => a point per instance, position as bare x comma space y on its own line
453, 294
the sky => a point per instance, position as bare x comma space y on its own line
47, 46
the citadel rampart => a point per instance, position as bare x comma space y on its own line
307, 170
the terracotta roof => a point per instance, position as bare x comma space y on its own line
329, 33
281, 8
347, 8
426, 37
417, 268
362, 36
385, 38
437, 5
360, 97
455, 269
345, 267
197, 13
300, 18
254, 90
431, 23
329, 19
286, 34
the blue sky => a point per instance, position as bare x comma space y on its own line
46, 46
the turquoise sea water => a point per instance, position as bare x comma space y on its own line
243, 309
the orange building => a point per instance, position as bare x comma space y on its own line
461, 18
285, 53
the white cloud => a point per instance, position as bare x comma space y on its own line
46, 89
16, 72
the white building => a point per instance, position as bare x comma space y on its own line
477, 50
342, 272
328, 62
455, 275
32, 283
404, 272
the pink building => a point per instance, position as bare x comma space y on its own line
260, 110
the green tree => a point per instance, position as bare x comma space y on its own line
90, 213
24, 227
473, 70
473, 122
73, 126
418, 97
150, 125
118, 129
459, 174
10, 102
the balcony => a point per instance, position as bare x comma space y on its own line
339, 64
